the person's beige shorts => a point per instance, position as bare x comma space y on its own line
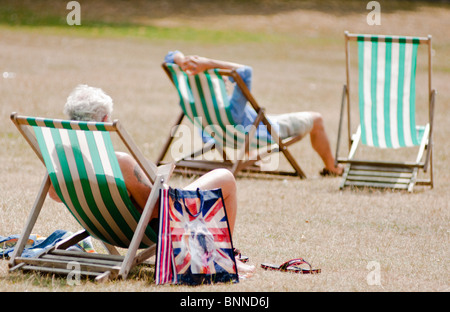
293, 124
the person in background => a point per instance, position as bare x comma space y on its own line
287, 125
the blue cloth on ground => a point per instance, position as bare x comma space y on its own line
35, 245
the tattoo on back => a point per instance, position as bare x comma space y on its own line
140, 176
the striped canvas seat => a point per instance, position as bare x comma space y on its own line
204, 100
387, 68
84, 171
387, 99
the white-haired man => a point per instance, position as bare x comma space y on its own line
88, 103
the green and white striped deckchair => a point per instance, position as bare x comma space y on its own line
83, 168
387, 111
205, 102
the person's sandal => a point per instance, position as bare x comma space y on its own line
239, 256
292, 266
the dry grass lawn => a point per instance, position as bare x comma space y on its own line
301, 67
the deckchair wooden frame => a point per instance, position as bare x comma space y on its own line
385, 174
100, 266
197, 166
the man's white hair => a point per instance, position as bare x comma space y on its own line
88, 104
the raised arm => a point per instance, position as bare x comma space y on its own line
194, 64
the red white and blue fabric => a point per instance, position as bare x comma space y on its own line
194, 244
165, 264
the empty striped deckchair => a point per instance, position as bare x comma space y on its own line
83, 168
387, 112
204, 101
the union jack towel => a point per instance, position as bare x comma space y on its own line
194, 241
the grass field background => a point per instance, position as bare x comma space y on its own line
296, 49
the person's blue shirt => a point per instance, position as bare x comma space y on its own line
242, 113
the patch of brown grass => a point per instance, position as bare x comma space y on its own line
339, 232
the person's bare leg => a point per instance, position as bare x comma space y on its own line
321, 144
139, 186
224, 179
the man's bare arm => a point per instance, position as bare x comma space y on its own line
194, 64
